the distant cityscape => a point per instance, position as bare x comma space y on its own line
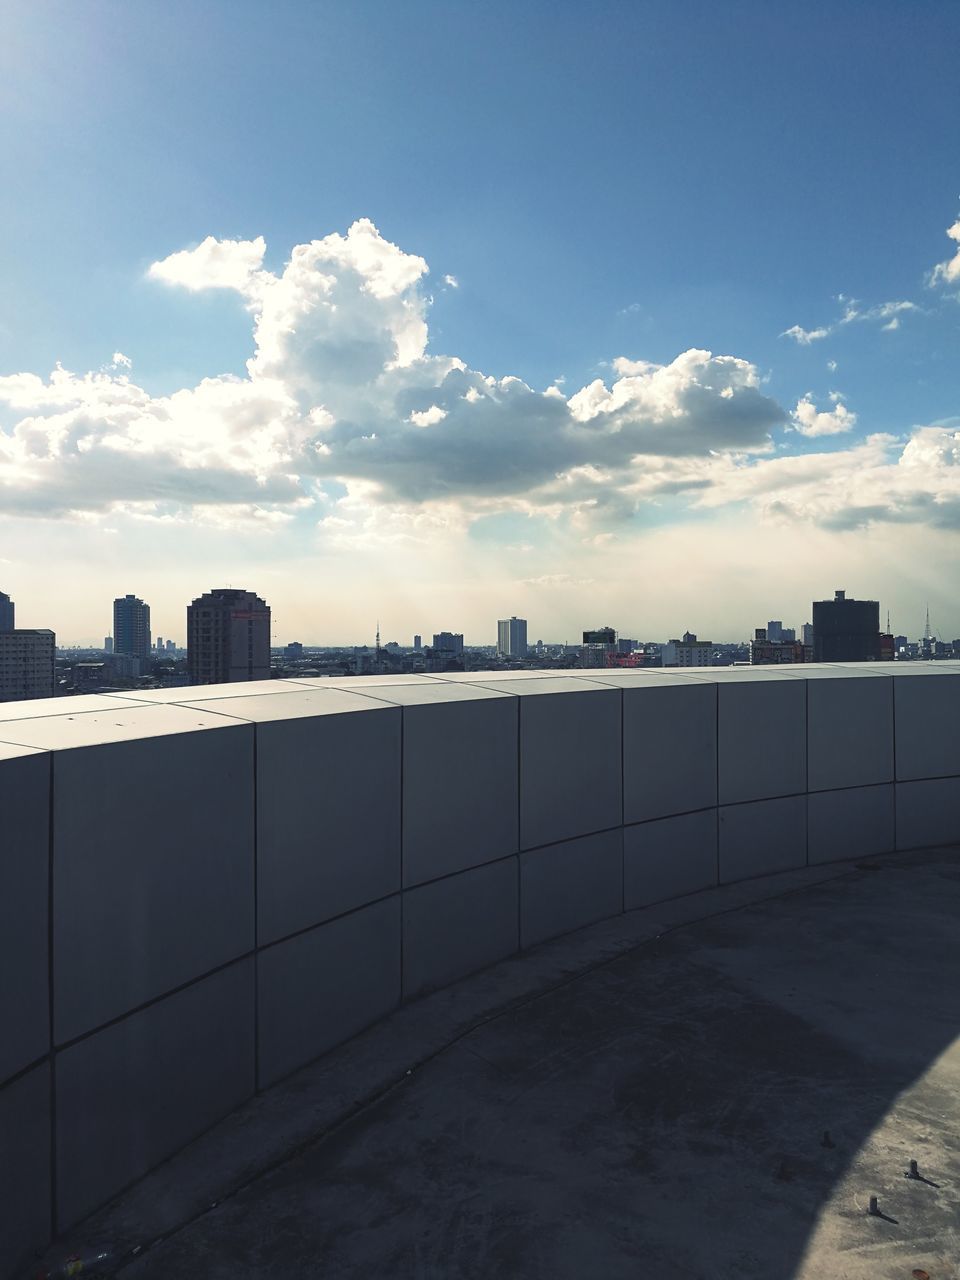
228, 639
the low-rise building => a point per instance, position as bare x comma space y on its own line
687, 652
765, 652
598, 646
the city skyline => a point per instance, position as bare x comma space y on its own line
408, 640
581, 334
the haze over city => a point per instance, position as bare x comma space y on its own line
435, 314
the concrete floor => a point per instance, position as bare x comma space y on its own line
662, 1114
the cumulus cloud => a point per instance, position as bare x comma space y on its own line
949, 272
880, 480
810, 421
213, 264
346, 419
428, 417
342, 391
451, 282
96, 442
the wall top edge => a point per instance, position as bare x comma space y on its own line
411, 690
289, 704
15, 751
549, 685
42, 708
207, 692
428, 693
103, 728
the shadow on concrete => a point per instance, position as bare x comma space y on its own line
720, 1102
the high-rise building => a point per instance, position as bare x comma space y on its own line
417, 643
27, 662
108, 644
846, 630
228, 637
448, 642
131, 628
7, 611
512, 638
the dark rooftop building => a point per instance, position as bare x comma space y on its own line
846, 630
228, 637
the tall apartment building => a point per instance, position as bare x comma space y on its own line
846, 630
512, 638
131, 629
688, 652
449, 642
228, 637
27, 664
7, 622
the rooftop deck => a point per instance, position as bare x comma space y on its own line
651, 1099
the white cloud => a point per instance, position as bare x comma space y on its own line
949, 272
852, 312
213, 264
120, 361
810, 421
341, 392
880, 480
553, 581
890, 309
832, 366
451, 281
804, 336
346, 419
892, 325
882, 311
428, 417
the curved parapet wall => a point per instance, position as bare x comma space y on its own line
203, 889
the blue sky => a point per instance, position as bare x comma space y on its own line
631, 181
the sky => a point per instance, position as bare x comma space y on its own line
641, 314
